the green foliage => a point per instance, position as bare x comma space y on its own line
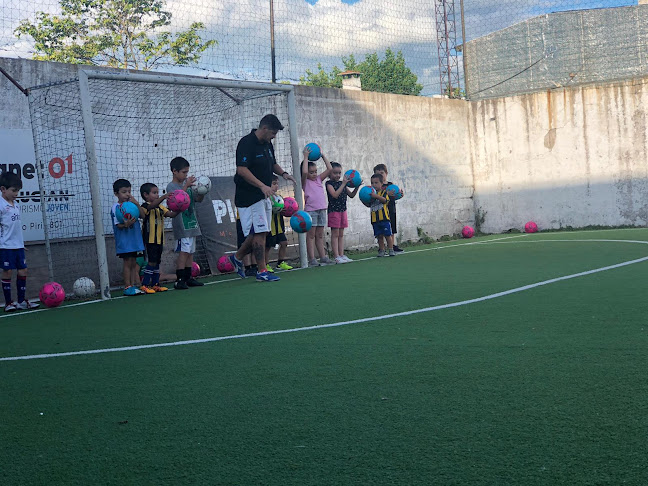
116, 33
390, 75
321, 78
456, 93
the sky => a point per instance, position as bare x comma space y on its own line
312, 31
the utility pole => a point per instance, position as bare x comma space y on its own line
272, 42
446, 25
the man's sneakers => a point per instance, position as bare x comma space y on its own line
180, 285
284, 266
25, 304
238, 265
266, 277
192, 282
10, 307
398, 250
147, 290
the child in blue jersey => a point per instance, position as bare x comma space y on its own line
12, 246
128, 237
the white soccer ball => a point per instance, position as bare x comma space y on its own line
202, 185
83, 287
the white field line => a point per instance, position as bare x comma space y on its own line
44, 309
336, 324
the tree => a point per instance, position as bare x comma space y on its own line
390, 75
117, 33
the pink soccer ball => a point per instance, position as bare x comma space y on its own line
467, 232
195, 269
178, 201
51, 294
290, 207
530, 227
224, 265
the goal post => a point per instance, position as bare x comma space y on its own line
105, 126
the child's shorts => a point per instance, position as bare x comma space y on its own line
154, 253
130, 254
186, 245
13, 259
382, 228
318, 217
271, 241
337, 219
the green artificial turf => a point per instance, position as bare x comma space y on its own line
544, 386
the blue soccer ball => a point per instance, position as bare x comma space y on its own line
301, 222
396, 189
365, 195
355, 179
315, 152
126, 211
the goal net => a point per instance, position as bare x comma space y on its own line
133, 125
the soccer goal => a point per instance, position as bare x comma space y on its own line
103, 126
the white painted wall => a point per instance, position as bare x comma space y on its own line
570, 157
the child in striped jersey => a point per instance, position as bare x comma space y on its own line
153, 235
380, 216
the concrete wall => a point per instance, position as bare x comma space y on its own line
421, 140
571, 157
565, 48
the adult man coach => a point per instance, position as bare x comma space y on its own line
255, 164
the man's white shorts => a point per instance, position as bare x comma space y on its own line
256, 218
186, 245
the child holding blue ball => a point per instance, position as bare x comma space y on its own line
380, 216
391, 205
316, 206
128, 237
338, 191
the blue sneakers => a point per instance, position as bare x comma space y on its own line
132, 290
238, 265
266, 277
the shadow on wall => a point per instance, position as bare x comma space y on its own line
422, 141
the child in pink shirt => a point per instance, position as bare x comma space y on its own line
315, 204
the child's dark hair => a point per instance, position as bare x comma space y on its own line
335, 165
310, 164
381, 167
275, 177
272, 122
119, 183
377, 176
179, 163
146, 188
10, 179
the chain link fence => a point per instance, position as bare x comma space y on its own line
505, 46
